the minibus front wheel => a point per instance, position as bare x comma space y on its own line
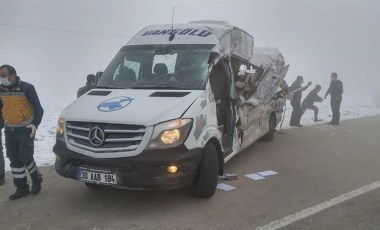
206, 179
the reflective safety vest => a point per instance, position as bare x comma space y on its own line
20, 105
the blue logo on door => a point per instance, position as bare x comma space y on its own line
114, 104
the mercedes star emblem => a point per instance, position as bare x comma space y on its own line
96, 136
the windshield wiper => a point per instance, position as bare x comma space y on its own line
155, 87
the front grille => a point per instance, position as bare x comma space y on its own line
116, 138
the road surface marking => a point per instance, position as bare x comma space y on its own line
319, 207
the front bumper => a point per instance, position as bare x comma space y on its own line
144, 171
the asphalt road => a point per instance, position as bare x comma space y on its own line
315, 164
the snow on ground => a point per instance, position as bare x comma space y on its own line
347, 111
45, 137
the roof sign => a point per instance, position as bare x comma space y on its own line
187, 31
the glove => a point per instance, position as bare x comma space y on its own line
33, 128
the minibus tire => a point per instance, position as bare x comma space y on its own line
206, 179
269, 136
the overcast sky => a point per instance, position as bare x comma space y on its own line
315, 37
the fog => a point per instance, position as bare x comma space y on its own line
55, 44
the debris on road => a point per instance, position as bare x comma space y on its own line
229, 176
267, 173
255, 176
225, 187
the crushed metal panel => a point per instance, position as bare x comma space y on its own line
249, 115
258, 97
267, 55
241, 43
233, 40
268, 85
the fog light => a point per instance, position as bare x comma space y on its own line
172, 169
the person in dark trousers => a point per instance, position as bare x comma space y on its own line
22, 113
308, 102
90, 84
296, 88
335, 90
2, 164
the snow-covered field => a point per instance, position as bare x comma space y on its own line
347, 111
45, 137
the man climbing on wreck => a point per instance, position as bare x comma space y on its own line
308, 102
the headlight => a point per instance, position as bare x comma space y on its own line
61, 129
170, 134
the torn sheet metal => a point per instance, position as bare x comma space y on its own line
259, 94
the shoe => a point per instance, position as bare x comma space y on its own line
330, 123
316, 120
2, 181
36, 186
299, 125
19, 193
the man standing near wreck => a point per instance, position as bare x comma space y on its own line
22, 113
296, 88
335, 90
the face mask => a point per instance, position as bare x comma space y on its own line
5, 81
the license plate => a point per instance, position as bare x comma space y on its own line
97, 176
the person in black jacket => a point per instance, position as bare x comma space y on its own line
335, 90
22, 113
296, 88
90, 84
308, 102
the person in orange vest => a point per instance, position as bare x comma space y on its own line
22, 113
